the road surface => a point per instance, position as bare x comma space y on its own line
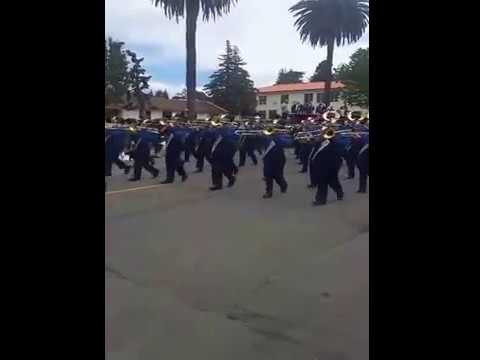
191, 274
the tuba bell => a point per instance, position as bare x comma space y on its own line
329, 133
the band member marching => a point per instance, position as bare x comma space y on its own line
305, 154
114, 145
325, 169
206, 138
142, 159
247, 147
273, 165
190, 142
362, 163
173, 150
221, 160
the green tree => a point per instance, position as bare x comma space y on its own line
245, 89
321, 72
289, 76
330, 22
138, 82
230, 86
116, 71
162, 94
355, 76
199, 95
211, 9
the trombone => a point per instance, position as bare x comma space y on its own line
306, 136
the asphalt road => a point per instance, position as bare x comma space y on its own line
191, 274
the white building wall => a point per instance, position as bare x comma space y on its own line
273, 102
130, 114
156, 114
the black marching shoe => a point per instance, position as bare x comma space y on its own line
310, 186
215, 188
284, 190
267, 196
318, 203
232, 182
167, 182
302, 171
184, 177
127, 169
340, 198
133, 179
155, 175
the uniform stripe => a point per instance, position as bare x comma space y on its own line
323, 146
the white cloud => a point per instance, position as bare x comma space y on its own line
263, 30
172, 89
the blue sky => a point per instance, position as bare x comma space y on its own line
263, 30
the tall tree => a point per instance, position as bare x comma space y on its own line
211, 9
116, 71
330, 22
230, 86
321, 72
162, 94
289, 76
355, 76
199, 95
243, 86
138, 82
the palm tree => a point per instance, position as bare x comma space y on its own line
330, 22
191, 9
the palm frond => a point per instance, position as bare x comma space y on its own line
319, 21
211, 9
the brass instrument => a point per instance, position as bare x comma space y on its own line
326, 132
247, 132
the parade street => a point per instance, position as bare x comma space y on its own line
226, 275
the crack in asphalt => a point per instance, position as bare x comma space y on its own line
276, 336
252, 320
117, 274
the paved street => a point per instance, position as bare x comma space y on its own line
191, 274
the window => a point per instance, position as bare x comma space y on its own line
319, 98
272, 114
284, 99
262, 100
308, 98
262, 114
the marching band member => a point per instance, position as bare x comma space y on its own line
352, 154
273, 165
203, 149
325, 169
142, 159
362, 163
315, 145
221, 160
173, 149
247, 147
114, 145
190, 141
305, 153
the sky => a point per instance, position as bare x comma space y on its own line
262, 29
